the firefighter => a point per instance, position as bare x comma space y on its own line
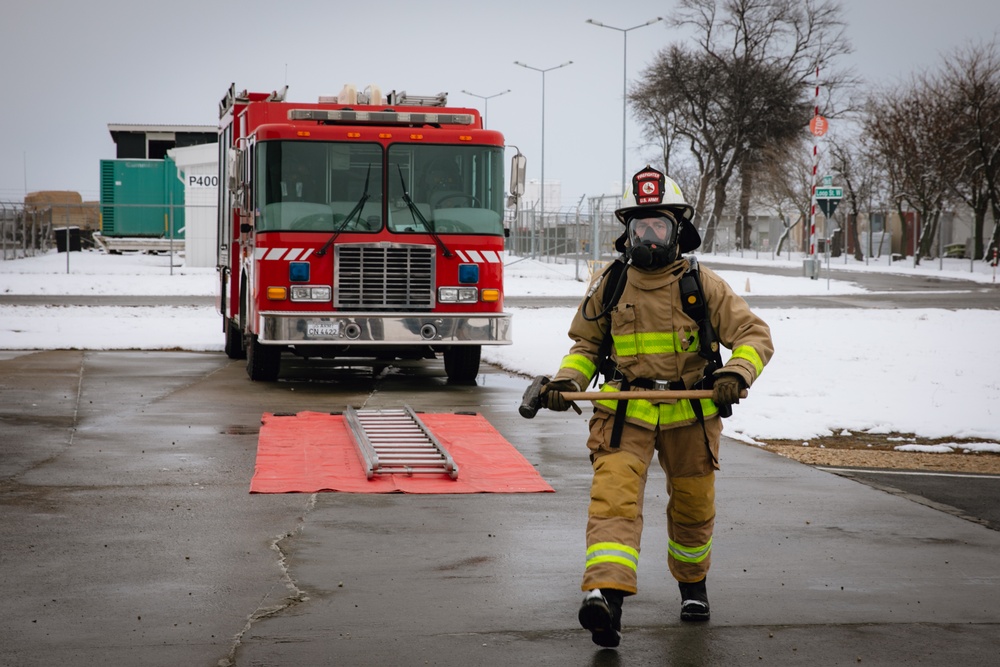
654, 345
443, 185
299, 184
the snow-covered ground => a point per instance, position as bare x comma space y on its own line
930, 372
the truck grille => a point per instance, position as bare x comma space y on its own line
384, 276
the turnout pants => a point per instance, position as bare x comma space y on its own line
614, 525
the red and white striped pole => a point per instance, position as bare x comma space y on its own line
814, 126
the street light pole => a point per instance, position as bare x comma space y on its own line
486, 104
624, 32
543, 71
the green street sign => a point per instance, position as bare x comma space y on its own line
829, 193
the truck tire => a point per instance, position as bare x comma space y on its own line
234, 340
462, 363
263, 361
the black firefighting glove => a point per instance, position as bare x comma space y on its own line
726, 389
552, 398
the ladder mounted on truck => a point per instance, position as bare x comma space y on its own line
397, 441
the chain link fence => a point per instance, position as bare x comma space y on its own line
586, 234
27, 230
24, 231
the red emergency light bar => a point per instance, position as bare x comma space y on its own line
380, 117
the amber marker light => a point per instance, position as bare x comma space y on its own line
491, 295
277, 293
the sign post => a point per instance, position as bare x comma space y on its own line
818, 127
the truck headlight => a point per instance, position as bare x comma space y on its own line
458, 295
310, 292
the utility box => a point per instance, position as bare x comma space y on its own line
198, 169
810, 268
141, 198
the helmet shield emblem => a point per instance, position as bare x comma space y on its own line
648, 187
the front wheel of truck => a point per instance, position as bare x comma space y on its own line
462, 363
263, 361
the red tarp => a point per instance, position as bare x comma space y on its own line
314, 451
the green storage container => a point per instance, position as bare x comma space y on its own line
137, 197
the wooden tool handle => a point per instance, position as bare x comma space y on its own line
651, 394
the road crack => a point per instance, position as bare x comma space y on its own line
272, 605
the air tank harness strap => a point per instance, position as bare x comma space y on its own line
696, 407
619, 423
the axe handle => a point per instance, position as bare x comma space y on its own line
651, 394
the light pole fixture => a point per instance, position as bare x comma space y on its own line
624, 32
543, 71
486, 104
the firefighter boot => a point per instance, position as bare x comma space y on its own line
601, 613
694, 601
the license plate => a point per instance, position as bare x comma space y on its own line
323, 330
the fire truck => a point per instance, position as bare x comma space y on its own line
361, 225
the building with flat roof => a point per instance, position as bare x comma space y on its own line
153, 141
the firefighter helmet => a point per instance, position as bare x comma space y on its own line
652, 190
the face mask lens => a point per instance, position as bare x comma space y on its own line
653, 229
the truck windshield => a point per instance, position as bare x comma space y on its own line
314, 186
457, 189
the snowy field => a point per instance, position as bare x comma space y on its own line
857, 370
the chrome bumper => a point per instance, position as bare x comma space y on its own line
384, 329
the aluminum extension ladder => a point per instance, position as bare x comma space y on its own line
396, 441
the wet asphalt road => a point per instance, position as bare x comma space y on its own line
129, 537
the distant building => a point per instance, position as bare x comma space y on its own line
142, 189
553, 194
153, 141
65, 208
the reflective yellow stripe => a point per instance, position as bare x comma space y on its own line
690, 554
612, 552
657, 342
580, 363
750, 354
663, 413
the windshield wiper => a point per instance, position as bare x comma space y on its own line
420, 216
356, 211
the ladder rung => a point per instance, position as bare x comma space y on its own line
397, 441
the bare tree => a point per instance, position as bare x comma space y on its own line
852, 161
915, 133
658, 121
970, 82
742, 89
785, 186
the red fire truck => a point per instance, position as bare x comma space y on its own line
360, 226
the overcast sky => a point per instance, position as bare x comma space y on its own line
70, 68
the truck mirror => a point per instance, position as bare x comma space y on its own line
232, 169
518, 169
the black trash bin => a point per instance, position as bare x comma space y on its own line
67, 238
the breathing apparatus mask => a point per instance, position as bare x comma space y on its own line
652, 239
